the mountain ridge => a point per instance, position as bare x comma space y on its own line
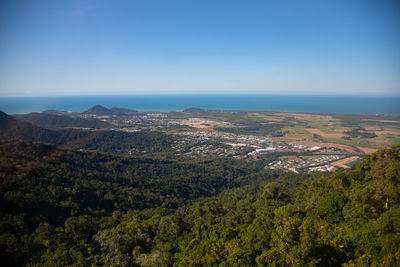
59, 121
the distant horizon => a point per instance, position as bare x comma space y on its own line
165, 103
207, 94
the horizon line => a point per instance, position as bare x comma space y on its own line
202, 94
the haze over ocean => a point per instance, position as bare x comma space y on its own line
293, 103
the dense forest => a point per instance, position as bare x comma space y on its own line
20, 127
54, 121
81, 208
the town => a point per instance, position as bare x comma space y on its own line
194, 136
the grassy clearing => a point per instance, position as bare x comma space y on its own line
266, 118
325, 127
295, 130
352, 142
388, 139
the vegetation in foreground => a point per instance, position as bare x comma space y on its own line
62, 207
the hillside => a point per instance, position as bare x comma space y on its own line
52, 121
61, 207
103, 111
350, 218
44, 186
13, 128
100, 140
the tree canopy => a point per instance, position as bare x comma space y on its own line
62, 207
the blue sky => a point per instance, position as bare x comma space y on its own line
198, 46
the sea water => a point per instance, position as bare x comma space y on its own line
292, 103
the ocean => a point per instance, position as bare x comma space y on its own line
388, 105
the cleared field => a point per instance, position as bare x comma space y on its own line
341, 130
312, 117
327, 127
266, 117
386, 132
373, 128
342, 163
204, 124
387, 140
294, 131
323, 134
352, 142
330, 133
367, 150
307, 117
287, 139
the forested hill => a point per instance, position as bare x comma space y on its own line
350, 218
100, 140
60, 207
106, 182
13, 128
103, 111
44, 186
54, 121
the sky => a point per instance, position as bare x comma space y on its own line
199, 46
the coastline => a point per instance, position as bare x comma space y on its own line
383, 105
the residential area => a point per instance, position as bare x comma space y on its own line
198, 136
